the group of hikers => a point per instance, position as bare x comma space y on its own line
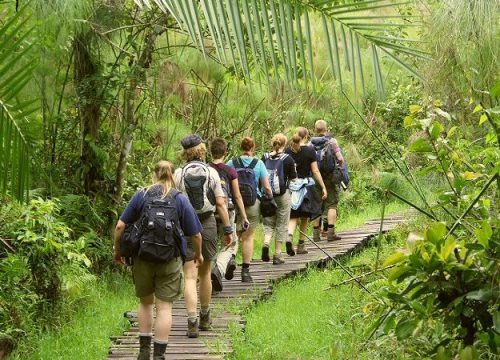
171, 229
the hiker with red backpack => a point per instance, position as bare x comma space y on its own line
253, 178
281, 168
163, 217
226, 259
202, 185
331, 164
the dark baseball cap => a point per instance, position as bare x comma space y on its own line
191, 141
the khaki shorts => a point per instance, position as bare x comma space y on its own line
333, 190
253, 215
165, 281
208, 243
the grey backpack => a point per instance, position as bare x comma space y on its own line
196, 183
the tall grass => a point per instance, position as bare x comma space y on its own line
304, 320
86, 334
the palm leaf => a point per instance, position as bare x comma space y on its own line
15, 73
280, 32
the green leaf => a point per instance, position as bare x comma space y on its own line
399, 273
480, 295
408, 121
495, 90
477, 108
443, 354
451, 131
483, 118
496, 321
447, 248
484, 234
420, 146
435, 232
405, 328
469, 353
436, 130
415, 109
395, 258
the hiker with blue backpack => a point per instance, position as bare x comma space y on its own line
202, 185
308, 189
331, 163
154, 226
253, 178
281, 168
226, 259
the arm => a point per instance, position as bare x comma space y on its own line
196, 241
119, 229
319, 179
235, 188
220, 204
264, 183
337, 152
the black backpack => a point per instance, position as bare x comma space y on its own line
246, 181
157, 232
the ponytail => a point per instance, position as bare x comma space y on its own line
278, 142
163, 175
295, 143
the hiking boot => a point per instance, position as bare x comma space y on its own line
324, 234
331, 234
289, 249
333, 237
159, 351
245, 275
277, 260
316, 235
301, 249
144, 347
205, 321
216, 280
193, 330
265, 253
231, 266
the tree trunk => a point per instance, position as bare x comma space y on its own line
138, 76
89, 104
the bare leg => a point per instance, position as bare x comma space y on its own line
163, 321
205, 283
190, 295
247, 245
145, 314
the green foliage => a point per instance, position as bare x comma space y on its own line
444, 290
41, 265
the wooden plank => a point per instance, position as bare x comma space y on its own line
215, 344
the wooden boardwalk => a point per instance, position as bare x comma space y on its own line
215, 344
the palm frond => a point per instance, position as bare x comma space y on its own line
15, 73
277, 35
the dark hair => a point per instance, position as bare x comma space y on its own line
218, 148
247, 144
300, 134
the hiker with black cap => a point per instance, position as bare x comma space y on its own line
202, 186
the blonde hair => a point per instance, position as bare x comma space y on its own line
300, 134
320, 127
278, 141
164, 175
198, 152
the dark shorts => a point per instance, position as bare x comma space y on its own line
208, 242
333, 190
164, 280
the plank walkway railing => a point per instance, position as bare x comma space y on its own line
216, 343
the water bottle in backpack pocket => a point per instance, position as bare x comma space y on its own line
246, 181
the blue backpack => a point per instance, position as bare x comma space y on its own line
276, 168
246, 180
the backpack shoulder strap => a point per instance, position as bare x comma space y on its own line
253, 163
238, 164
